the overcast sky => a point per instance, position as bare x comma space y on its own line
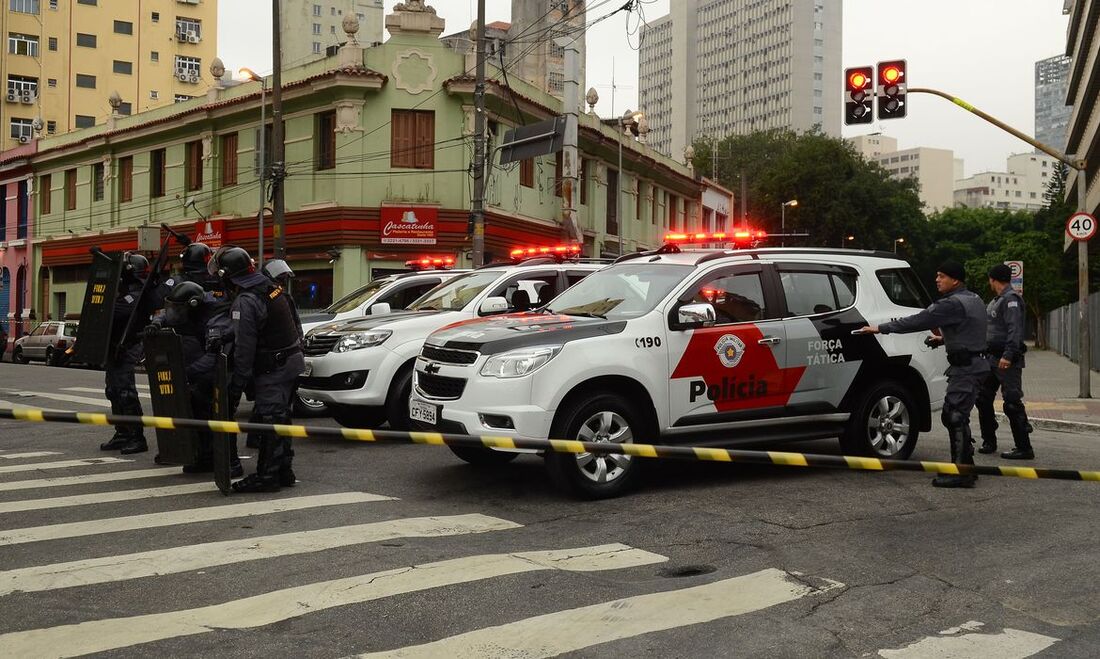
983, 51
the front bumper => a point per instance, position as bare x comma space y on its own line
335, 377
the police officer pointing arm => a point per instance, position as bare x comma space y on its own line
960, 316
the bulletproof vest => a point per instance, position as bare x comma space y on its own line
280, 331
999, 318
968, 335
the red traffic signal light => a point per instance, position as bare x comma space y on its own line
859, 93
892, 88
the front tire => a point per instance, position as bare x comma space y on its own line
397, 400
308, 408
884, 423
600, 418
18, 358
355, 416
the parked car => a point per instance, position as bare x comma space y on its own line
47, 343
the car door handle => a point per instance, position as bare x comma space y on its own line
769, 341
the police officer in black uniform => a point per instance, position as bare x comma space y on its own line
960, 316
267, 351
1006, 361
126, 353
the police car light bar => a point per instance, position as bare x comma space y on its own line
561, 251
737, 237
431, 263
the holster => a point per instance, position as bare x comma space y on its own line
959, 357
269, 361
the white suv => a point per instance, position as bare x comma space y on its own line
362, 369
705, 346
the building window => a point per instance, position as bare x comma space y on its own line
317, 28
527, 173
85, 81
229, 159
653, 210
85, 40
93, 3
84, 121
22, 130
316, 48
326, 140
22, 44
21, 87
188, 29
182, 98
53, 5
316, 10
154, 95
124, 68
638, 199
156, 17
188, 69
126, 109
24, 6
52, 43
51, 127
70, 189
44, 185
157, 173
22, 208
194, 165
126, 179
154, 56
124, 27
584, 181
97, 181
412, 139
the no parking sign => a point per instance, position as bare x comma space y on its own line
1017, 268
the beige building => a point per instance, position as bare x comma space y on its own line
1084, 131
1019, 188
64, 58
313, 28
712, 68
935, 170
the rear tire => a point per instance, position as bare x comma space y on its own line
397, 400
51, 358
18, 358
884, 423
355, 416
483, 457
603, 417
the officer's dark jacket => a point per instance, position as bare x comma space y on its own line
1006, 324
264, 325
126, 305
959, 315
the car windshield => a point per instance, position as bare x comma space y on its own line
620, 291
70, 329
352, 300
455, 294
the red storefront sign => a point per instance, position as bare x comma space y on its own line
210, 232
403, 225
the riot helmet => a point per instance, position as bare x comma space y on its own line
195, 258
279, 271
135, 266
229, 262
185, 297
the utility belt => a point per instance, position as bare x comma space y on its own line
270, 360
964, 357
997, 350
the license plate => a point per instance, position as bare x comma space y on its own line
424, 412
308, 370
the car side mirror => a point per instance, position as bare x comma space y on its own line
493, 305
691, 316
380, 308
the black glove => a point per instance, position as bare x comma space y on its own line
933, 342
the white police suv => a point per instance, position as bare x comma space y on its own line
362, 368
718, 347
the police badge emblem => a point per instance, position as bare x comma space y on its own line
730, 349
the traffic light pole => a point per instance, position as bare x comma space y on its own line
478, 202
1084, 339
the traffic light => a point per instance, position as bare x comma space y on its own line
891, 89
859, 83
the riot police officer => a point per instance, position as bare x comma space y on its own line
960, 316
1006, 361
126, 353
267, 352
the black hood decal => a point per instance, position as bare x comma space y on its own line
491, 336
318, 318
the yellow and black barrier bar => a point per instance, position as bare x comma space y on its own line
555, 445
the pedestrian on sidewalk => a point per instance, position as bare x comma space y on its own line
1006, 361
960, 317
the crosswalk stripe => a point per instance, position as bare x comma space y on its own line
174, 517
575, 629
63, 464
1006, 644
32, 454
83, 400
279, 605
92, 390
199, 556
62, 481
106, 497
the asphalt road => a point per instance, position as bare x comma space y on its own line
705, 560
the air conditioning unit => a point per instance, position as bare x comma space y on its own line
28, 98
184, 76
193, 37
13, 97
194, 78
24, 139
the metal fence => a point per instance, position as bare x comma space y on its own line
1062, 327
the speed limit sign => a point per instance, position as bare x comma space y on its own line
1081, 226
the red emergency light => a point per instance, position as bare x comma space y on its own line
431, 263
562, 251
739, 237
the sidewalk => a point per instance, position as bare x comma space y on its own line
1051, 384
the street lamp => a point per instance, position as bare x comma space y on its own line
249, 74
847, 240
896, 241
783, 219
628, 124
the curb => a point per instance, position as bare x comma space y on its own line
1056, 424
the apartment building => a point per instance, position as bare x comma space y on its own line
1021, 187
312, 29
1051, 112
935, 170
65, 58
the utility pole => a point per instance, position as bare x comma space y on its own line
570, 157
478, 211
278, 150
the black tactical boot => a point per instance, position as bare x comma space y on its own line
235, 469
199, 468
255, 483
115, 443
988, 446
287, 477
135, 445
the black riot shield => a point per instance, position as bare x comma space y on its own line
222, 443
93, 344
171, 397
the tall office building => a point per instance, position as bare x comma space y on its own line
533, 52
312, 28
65, 58
1051, 112
711, 68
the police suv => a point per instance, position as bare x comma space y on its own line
362, 368
718, 347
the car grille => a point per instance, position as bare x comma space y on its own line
320, 344
438, 386
445, 356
